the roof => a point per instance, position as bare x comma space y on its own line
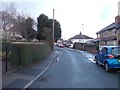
105, 38
118, 26
80, 36
109, 27
68, 42
108, 38
15, 29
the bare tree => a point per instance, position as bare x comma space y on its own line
8, 14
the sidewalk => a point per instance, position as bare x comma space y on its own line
19, 78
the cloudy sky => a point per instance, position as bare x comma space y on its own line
94, 14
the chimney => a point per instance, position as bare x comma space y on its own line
117, 18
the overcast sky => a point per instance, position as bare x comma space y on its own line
94, 14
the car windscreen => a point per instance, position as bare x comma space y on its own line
116, 51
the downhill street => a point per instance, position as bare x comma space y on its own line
73, 69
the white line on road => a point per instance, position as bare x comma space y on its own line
32, 81
91, 59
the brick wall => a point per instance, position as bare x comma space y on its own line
87, 47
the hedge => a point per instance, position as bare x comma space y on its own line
26, 53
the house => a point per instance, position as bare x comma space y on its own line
110, 35
15, 33
68, 43
80, 38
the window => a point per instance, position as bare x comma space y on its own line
116, 51
115, 31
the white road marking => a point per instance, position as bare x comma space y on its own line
57, 59
32, 81
91, 59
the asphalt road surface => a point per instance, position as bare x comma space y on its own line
73, 69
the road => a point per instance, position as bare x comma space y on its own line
73, 69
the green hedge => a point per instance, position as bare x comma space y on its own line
26, 53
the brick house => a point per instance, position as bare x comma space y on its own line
110, 35
15, 33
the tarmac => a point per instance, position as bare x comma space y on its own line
23, 77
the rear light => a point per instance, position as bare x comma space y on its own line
110, 56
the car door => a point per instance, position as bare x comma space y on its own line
102, 55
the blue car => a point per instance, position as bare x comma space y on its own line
109, 57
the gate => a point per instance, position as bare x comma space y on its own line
6, 52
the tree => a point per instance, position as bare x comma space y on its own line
57, 29
27, 30
43, 22
8, 14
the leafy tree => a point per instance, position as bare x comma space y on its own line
57, 30
27, 30
43, 22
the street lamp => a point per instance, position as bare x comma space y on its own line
83, 36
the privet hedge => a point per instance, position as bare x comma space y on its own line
23, 54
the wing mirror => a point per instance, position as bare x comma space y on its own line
97, 51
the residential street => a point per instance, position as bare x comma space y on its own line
73, 69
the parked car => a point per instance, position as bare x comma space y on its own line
61, 45
109, 57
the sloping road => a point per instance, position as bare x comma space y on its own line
73, 69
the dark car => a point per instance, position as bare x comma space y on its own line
109, 57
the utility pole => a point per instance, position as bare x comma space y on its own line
53, 30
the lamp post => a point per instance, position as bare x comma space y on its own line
83, 36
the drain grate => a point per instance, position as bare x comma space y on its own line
44, 78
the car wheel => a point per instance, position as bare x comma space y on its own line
96, 62
106, 67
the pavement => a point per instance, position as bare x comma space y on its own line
23, 77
